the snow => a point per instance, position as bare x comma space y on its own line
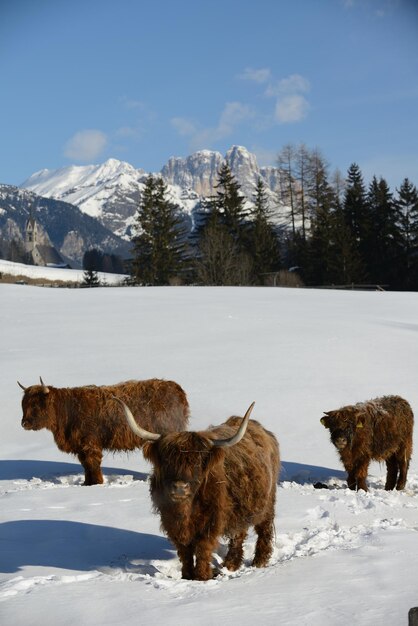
55, 273
96, 556
95, 189
86, 186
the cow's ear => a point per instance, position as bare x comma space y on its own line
216, 455
360, 422
150, 452
324, 421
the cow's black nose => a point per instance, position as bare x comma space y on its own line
179, 489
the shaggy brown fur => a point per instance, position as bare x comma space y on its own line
380, 430
86, 420
203, 493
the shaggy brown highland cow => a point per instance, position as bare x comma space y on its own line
379, 430
84, 422
214, 483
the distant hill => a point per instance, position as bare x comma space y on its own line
70, 230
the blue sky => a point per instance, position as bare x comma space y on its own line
85, 80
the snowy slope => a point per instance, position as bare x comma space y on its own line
55, 274
81, 184
109, 192
71, 554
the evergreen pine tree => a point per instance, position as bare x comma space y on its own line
229, 205
322, 246
356, 217
91, 265
263, 243
204, 213
159, 247
407, 215
221, 235
382, 244
346, 265
354, 206
91, 278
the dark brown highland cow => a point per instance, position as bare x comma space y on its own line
214, 483
84, 421
378, 430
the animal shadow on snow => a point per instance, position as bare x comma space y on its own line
77, 546
309, 474
51, 470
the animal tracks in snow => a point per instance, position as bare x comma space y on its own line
308, 522
63, 482
21, 585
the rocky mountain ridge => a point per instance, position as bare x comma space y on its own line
67, 228
111, 191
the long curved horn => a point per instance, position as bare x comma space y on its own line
138, 430
44, 387
227, 443
21, 386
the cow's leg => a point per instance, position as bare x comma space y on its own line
392, 472
203, 552
91, 459
351, 480
235, 553
403, 457
186, 557
360, 473
264, 545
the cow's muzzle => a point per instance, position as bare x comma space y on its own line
27, 424
340, 443
179, 490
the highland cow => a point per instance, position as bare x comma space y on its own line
378, 430
214, 483
84, 422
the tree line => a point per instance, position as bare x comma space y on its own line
230, 243
329, 229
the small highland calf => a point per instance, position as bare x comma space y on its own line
214, 483
84, 420
376, 430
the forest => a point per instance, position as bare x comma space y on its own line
334, 231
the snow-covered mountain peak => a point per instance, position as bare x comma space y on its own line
114, 167
90, 187
111, 191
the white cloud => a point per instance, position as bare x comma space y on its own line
183, 126
128, 132
85, 145
295, 83
261, 75
131, 103
291, 103
233, 114
291, 106
378, 8
291, 109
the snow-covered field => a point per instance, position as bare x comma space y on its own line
95, 555
55, 274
